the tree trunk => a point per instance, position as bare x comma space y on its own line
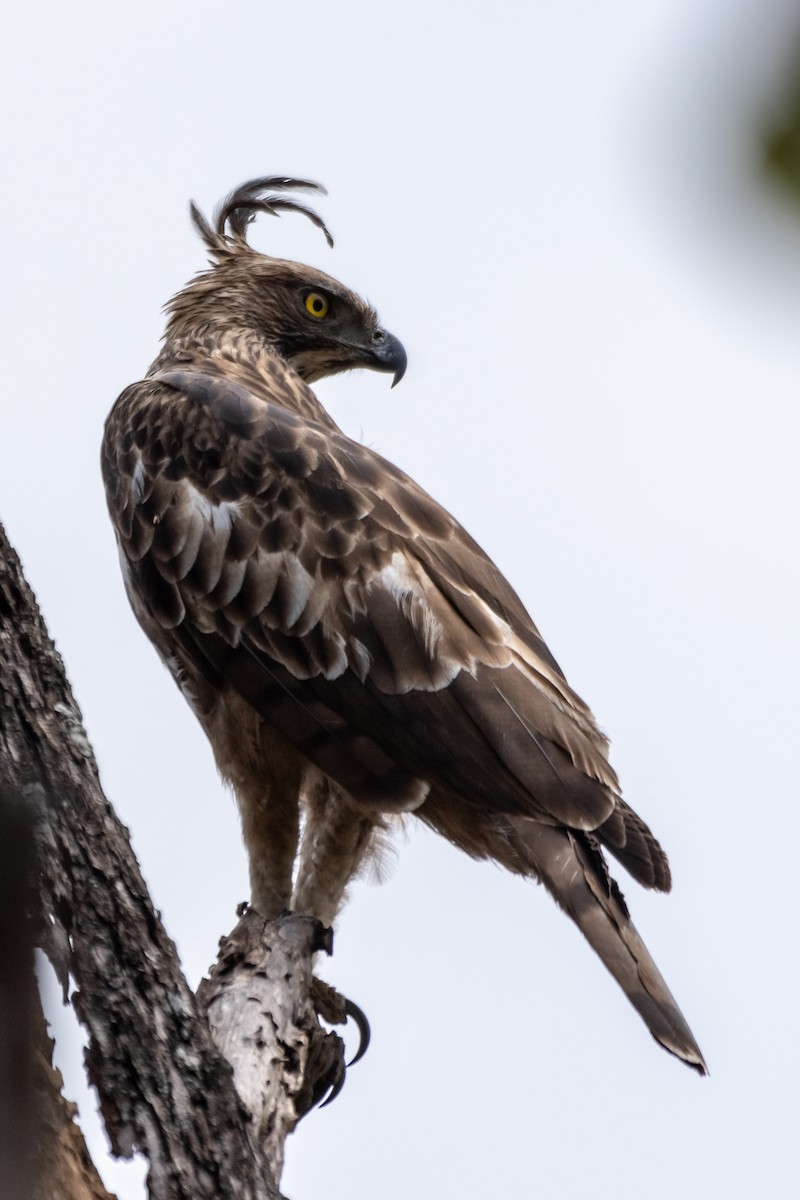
164, 1088
42, 1150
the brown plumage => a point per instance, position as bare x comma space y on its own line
350, 651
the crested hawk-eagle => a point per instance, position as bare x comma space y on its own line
350, 651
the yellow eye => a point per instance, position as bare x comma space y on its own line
317, 305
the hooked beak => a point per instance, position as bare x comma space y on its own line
387, 354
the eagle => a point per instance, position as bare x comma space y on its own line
351, 653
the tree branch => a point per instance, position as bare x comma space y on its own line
258, 1001
164, 1088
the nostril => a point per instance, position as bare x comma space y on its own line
379, 335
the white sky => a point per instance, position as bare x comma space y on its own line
554, 207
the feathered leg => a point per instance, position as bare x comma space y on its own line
265, 773
336, 836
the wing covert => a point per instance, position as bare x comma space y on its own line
301, 567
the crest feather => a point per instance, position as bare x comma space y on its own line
227, 233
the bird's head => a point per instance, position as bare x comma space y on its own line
315, 323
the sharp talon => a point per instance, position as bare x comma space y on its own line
335, 1009
337, 1087
358, 1015
351, 1010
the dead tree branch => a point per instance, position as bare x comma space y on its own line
164, 1088
258, 1001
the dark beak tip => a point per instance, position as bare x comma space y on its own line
392, 357
399, 362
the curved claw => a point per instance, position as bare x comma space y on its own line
337, 1087
360, 1018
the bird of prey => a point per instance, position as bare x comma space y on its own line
350, 651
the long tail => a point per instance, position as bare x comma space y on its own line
575, 873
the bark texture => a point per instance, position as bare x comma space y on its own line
164, 1088
20, 1116
258, 1001
42, 1151
62, 1168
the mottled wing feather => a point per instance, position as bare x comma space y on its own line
350, 609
